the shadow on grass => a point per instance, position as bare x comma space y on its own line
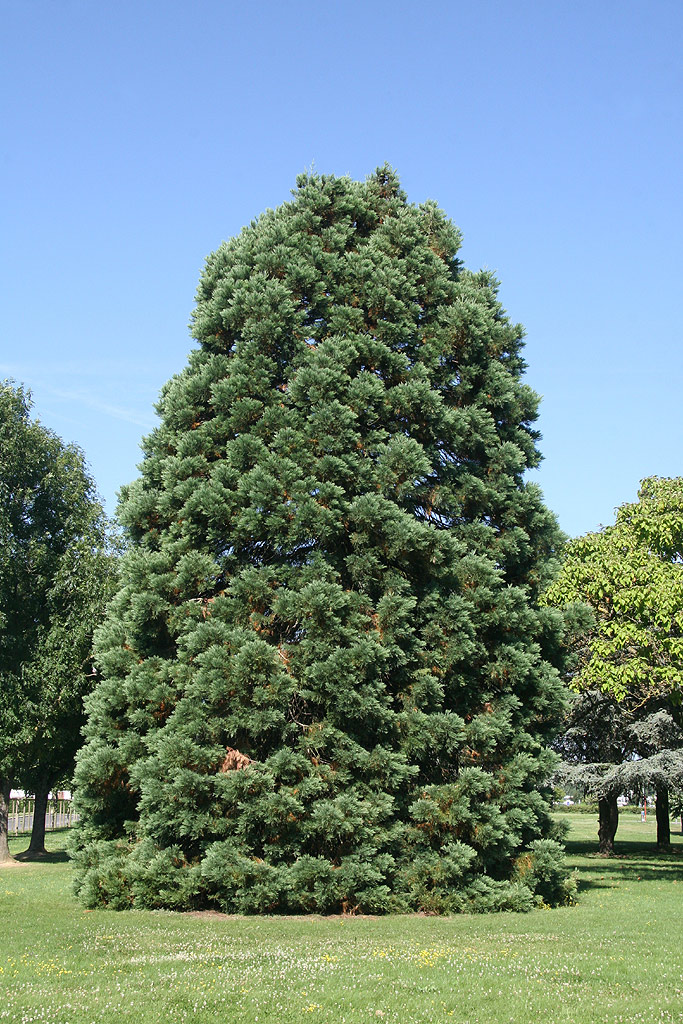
632, 862
49, 857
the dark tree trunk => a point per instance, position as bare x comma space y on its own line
5, 788
608, 822
662, 814
37, 844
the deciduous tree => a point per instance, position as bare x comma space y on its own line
628, 654
54, 579
631, 575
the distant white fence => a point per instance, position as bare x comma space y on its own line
59, 814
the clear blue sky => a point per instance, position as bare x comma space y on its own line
139, 134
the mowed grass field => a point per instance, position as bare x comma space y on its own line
617, 956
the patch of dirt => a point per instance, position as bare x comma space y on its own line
218, 915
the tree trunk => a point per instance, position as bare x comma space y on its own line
37, 844
608, 822
662, 814
5, 788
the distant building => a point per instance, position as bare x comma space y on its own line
20, 794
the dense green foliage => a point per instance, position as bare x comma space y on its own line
631, 575
624, 731
327, 683
55, 574
610, 749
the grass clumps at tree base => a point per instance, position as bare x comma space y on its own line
327, 685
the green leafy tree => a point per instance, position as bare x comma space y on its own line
326, 681
630, 649
54, 579
60, 673
631, 576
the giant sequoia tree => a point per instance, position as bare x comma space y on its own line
326, 682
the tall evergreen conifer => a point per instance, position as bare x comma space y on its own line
326, 681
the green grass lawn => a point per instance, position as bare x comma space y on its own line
617, 956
